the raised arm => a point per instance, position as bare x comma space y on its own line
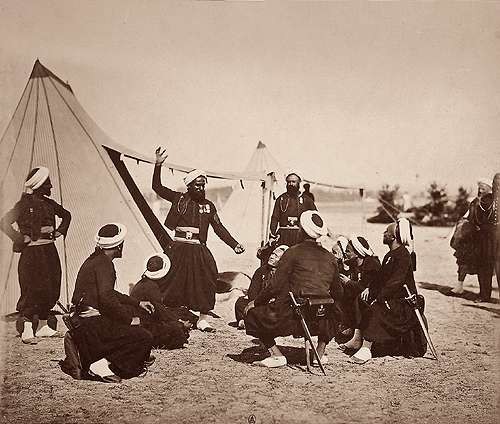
159, 189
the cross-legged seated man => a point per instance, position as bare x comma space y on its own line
358, 293
391, 319
260, 280
308, 271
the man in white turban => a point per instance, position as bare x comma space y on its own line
39, 267
308, 271
390, 320
111, 341
192, 279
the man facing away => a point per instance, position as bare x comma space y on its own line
308, 271
192, 279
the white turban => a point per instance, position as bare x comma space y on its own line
105, 242
405, 232
485, 182
357, 244
37, 179
156, 274
310, 227
191, 176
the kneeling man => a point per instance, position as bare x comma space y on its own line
308, 271
111, 342
390, 321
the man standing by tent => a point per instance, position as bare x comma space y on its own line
39, 267
192, 278
287, 210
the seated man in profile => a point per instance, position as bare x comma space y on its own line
308, 271
260, 280
111, 342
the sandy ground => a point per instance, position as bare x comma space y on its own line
213, 381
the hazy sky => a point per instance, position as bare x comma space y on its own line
344, 92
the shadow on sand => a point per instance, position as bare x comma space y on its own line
466, 295
294, 355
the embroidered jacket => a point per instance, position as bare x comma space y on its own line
287, 210
186, 212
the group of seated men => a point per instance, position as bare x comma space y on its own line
371, 310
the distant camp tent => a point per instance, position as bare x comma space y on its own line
246, 211
50, 128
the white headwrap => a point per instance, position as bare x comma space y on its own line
37, 179
405, 233
310, 228
110, 242
359, 248
485, 182
191, 176
160, 273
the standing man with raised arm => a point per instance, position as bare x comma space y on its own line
192, 279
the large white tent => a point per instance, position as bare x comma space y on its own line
50, 128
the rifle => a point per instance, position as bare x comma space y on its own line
307, 333
413, 303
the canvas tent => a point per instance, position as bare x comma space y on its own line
246, 211
90, 178
50, 128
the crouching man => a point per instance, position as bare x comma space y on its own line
308, 271
111, 343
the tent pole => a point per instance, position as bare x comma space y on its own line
263, 214
271, 178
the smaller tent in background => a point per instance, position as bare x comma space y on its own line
246, 211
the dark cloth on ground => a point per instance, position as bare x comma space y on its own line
391, 320
308, 271
108, 335
285, 217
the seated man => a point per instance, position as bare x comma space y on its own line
390, 321
111, 343
169, 326
306, 270
259, 282
358, 291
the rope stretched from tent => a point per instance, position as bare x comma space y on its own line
396, 209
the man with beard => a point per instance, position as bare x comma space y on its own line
287, 210
482, 216
390, 320
39, 267
111, 341
192, 279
